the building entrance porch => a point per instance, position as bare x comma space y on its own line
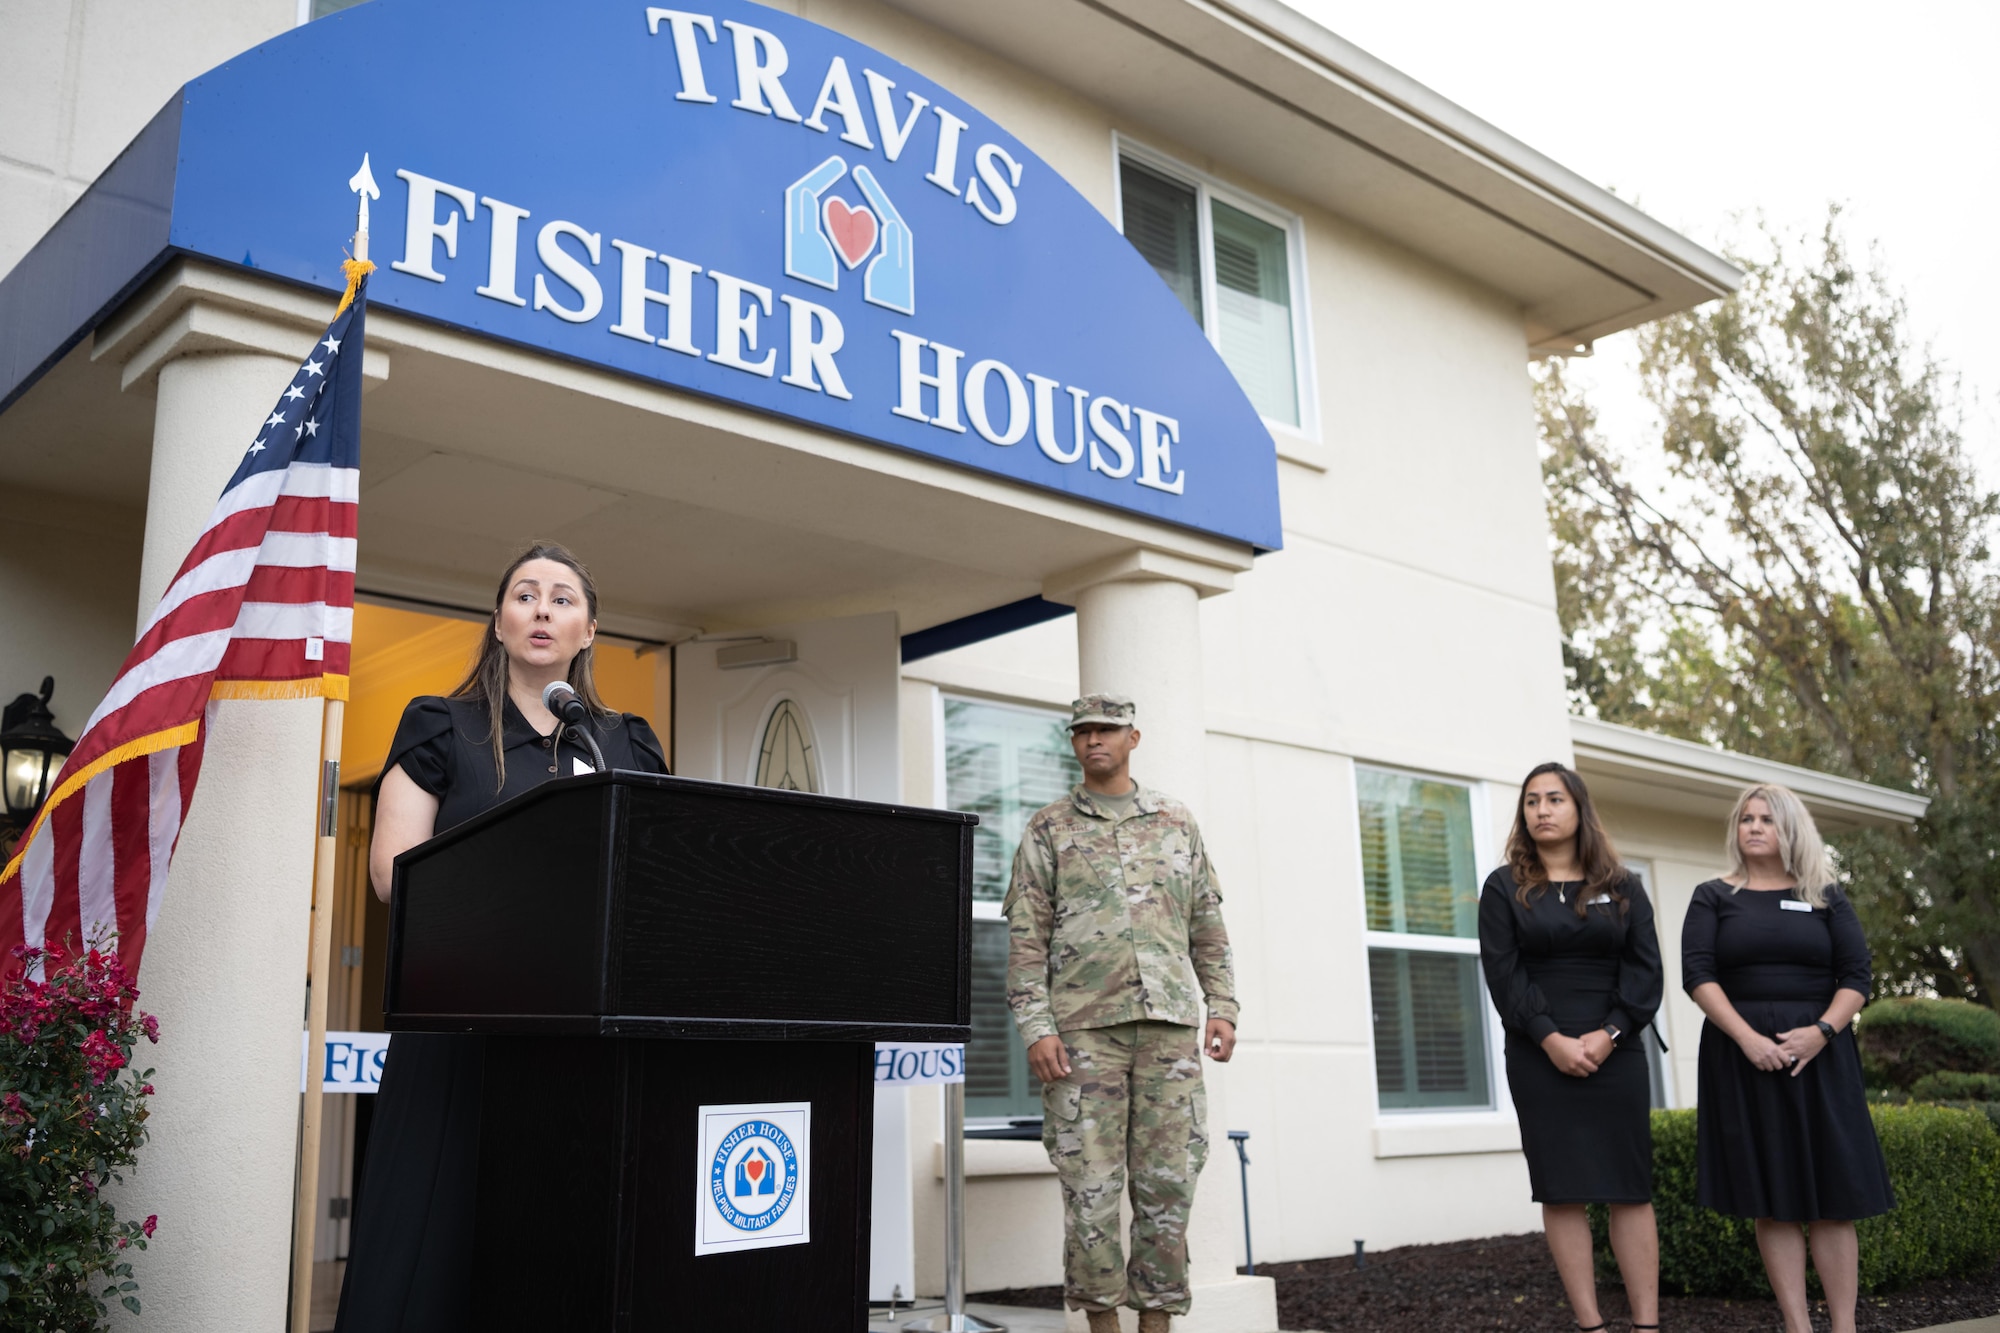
710, 529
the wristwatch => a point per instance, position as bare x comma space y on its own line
1825, 1029
1611, 1030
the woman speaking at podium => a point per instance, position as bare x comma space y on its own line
491, 740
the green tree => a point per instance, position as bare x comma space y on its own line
1798, 568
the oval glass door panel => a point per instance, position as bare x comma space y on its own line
786, 758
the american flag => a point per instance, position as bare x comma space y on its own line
262, 608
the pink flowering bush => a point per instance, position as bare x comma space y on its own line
72, 1114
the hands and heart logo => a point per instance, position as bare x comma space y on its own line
754, 1175
852, 229
824, 232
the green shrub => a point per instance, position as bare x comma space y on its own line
1943, 1161
1945, 1164
1702, 1252
1904, 1039
1950, 1085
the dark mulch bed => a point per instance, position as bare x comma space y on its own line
1508, 1282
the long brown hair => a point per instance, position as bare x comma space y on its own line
487, 680
1603, 872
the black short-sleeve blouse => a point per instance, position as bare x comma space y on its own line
1772, 945
445, 746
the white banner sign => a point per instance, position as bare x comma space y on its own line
352, 1061
908, 1063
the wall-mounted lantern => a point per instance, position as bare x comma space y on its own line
32, 751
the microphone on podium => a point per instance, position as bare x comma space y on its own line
562, 700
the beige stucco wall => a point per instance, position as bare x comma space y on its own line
1418, 634
79, 78
1410, 621
69, 589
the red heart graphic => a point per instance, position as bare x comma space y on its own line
853, 230
755, 1167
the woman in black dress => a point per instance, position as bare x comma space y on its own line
1573, 964
454, 758
1774, 956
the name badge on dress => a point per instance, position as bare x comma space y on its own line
1599, 901
1794, 905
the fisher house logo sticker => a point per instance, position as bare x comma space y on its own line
825, 232
754, 1177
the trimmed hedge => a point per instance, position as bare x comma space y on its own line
1905, 1039
1949, 1085
1943, 1161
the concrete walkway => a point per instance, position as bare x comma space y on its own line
1019, 1320
1014, 1318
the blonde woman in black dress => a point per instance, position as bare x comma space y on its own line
1774, 956
1573, 963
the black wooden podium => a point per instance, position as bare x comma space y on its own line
634, 948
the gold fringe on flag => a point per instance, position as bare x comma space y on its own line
329, 686
73, 782
356, 270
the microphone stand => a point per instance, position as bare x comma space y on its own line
572, 716
589, 742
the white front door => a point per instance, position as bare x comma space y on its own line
812, 706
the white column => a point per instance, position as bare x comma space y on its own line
224, 968
1138, 631
1143, 639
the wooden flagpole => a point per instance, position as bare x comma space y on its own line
306, 1194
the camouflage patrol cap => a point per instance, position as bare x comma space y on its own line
1111, 710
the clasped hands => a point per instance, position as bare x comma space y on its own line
1579, 1057
1048, 1059
1792, 1049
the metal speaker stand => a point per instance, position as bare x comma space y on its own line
954, 1319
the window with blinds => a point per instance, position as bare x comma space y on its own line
1002, 763
1230, 265
1163, 222
1421, 894
1253, 310
1417, 871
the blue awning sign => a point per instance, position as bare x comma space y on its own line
731, 201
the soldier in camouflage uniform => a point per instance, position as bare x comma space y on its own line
1116, 939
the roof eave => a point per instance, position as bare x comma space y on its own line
1608, 749
1501, 150
1275, 98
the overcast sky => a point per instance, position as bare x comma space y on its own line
1702, 110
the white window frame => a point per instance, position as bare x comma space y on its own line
305, 13
1643, 866
1300, 443
981, 910
1500, 1108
